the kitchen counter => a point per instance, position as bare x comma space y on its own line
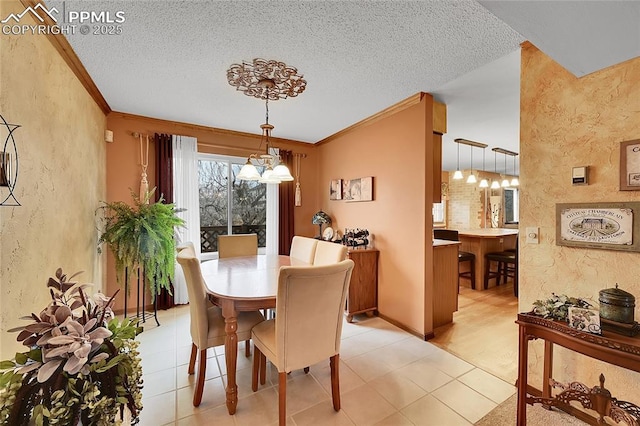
488, 232
443, 243
445, 281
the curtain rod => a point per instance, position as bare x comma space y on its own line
212, 145
138, 134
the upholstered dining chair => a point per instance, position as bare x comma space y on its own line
185, 245
463, 256
237, 245
328, 253
303, 248
307, 328
207, 322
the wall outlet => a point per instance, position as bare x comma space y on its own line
532, 235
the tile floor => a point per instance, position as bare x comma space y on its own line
387, 377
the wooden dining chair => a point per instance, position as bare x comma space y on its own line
207, 323
303, 248
237, 245
328, 253
307, 328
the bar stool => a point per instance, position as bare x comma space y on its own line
463, 256
507, 266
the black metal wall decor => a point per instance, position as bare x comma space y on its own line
355, 237
8, 165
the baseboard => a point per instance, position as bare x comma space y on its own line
407, 329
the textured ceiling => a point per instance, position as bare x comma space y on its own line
358, 57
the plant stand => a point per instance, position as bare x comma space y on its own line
140, 288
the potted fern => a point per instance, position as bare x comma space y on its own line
142, 236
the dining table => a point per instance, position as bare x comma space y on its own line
237, 284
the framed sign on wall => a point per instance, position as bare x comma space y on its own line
608, 226
630, 165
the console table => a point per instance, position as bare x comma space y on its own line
609, 347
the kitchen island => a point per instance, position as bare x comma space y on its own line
486, 240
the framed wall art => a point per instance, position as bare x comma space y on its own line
608, 226
360, 189
630, 165
335, 189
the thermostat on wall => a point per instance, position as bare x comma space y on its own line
580, 175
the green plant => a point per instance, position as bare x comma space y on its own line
557, 307
82, 363
142, 236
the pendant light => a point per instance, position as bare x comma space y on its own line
494, 182
472, 177
514, 181
484, 183
505, 181
458, 174
268, 80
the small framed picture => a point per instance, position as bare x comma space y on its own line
630, 165
587, 320
335, 189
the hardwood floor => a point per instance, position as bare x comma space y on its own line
483, 331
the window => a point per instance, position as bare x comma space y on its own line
228, 205
511, 206
439, 212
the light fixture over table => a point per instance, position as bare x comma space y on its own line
472, 144
268, 80
505, 181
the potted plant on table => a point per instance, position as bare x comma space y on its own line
82, 366
142, 236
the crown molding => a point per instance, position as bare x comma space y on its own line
387, 112
200, 128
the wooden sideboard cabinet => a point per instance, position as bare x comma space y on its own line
363, 289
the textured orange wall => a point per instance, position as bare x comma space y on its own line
123, 159
397, 152
565, 122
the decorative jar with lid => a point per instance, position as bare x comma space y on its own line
617, 305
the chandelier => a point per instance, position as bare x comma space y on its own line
268, 80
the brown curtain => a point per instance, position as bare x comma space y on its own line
164, 189
287, 193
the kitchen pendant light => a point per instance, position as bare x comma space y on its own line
472, 177
484, 183
494, 182
458, 174
505, 181
514, 181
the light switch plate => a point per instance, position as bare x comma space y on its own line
532, 235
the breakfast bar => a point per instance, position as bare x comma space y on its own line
483, 241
